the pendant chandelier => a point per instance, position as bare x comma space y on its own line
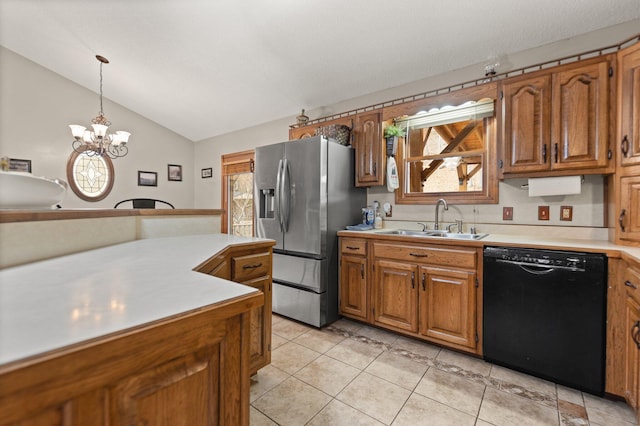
99, 142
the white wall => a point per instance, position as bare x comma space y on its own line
588, 207
36, 107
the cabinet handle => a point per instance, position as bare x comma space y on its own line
621, 219
424, 282
254, 266
375, 169
362, 271
630, 284
413, 280
352, 248
418, 255
624, 146
635, 333
555, 152
544, 153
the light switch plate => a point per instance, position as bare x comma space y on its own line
543, 212
507, 213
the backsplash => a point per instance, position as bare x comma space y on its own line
587, 211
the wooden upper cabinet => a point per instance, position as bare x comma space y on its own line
527, 124
629, 104
370, 160
556, 121
629, 209
580, 117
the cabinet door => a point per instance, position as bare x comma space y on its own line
526, 130
368, 145
629, 93
396, 295
260, 327
629, 214
580, 117
448, 305
353, 286
632, 353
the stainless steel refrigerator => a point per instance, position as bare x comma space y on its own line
304, 194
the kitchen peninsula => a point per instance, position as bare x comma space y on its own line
129, 333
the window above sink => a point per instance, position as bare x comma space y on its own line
449, 148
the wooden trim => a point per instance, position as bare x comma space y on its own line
9, 216
234, 163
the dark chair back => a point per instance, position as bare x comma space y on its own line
143, 203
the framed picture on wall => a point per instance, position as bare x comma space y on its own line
207, 173
174, 172
17, 165
147, 178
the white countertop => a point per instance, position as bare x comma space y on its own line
58, 302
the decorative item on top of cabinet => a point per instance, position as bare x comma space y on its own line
309, 130
429, 292
557, 121
354, 296
370, 158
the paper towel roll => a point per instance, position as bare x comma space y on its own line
562, 185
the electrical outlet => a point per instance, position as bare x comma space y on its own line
507, 213
543, 212
566, 213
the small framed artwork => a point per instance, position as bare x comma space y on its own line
174, 172
17, 165
147, 178
207, 173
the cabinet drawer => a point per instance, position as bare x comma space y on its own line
250, 266
632, 283
463, 258
353, 246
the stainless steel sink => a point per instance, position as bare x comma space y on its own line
459, 236
434, 233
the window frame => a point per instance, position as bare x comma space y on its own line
232, 164
74, 186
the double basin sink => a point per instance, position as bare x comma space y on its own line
434, 234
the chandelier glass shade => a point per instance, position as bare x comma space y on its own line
99, 141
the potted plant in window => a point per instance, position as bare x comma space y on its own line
391, 134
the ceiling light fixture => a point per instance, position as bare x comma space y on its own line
99, 142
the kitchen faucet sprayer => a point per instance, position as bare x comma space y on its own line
446, 207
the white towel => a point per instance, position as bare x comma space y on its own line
392, 175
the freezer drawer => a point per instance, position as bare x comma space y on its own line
301, 272
301, 305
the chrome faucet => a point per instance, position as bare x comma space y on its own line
446, 207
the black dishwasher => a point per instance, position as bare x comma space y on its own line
545, 314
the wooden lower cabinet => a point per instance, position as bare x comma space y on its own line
395, 295
354, 271
249, 264
425, 291
448, 305
632, 338
190, 370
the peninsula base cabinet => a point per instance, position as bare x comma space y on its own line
250, 265
425, 291
187, 370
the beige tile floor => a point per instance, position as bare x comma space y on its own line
353, 374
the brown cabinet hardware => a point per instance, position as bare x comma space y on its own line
418, 255
257, 265
624, 146
621, 219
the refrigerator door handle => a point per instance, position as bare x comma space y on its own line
278, 196
286, 195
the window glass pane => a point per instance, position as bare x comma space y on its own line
241, 204
91, 174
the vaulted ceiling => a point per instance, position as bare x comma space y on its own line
207, 67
